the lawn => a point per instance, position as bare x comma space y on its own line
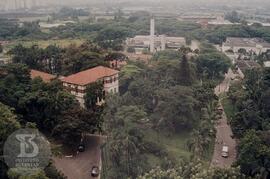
175, 144
45, 43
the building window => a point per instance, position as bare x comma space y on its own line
115, 90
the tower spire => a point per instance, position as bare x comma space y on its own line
152, 34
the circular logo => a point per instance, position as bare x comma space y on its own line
27, 150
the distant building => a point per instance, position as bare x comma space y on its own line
4, 42
46, 25
153, 42
117, 64
256, 45
266, 64
221, 23
196, 18
76, 84
161, 42
4, 60
243, 65
46, 77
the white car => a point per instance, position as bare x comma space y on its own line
225, 151
95, 171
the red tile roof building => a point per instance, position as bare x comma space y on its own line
46, 77
76, 84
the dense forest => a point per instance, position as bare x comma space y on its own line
161, 100
104, 32
250, 122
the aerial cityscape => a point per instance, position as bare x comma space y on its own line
146, 89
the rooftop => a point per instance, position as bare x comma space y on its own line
142, 40
90, 76
267, 63
46, 77
246, 42
247, 64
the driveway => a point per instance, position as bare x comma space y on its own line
79, 166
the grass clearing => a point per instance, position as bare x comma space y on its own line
175, 144
45, 43
153, 160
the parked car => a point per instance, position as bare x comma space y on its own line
95, 171
225, 151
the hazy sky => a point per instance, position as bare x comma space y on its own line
29, 3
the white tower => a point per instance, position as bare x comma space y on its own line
152, 35
163, 42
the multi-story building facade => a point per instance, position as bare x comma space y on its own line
77, 83
255, 45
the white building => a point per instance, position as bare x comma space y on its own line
256, 45
153, 42
77, 83
266, 64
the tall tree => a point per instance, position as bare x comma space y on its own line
8, 124
73, 123
94, 94
1, 48
176, 108
187, 74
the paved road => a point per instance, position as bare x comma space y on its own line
224, 132
79, 166
225, 85
223, 137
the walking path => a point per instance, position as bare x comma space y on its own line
224, 133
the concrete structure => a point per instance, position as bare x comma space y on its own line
256, 45
161, 42
77, 83
153, 42
152, 35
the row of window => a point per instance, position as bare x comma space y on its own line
111, 80
113, 90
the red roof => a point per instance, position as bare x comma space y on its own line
89, 76
46, 77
